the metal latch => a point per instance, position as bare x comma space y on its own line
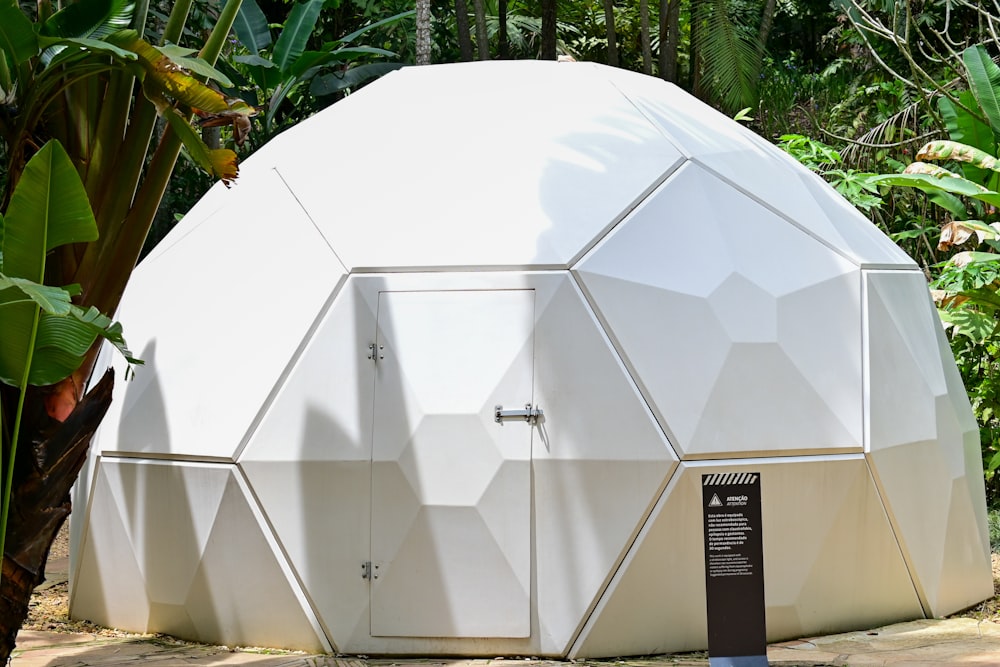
528, 414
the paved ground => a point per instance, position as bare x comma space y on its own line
959, 641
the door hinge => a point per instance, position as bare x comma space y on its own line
375, 354
367, 572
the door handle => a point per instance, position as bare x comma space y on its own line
528, 414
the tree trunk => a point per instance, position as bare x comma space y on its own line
504, 42
609, 24
548, 46
482, 38
423, 20
670, 17
462, 26
766, 22
647, 49
45, 471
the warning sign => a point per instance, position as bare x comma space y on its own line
734, 570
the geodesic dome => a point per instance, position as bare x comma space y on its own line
311, 458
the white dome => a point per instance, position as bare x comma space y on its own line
676, 296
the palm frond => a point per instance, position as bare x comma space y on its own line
729, 55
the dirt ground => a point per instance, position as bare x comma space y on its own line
49, 606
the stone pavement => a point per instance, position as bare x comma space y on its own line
957, 641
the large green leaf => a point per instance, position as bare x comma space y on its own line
48, 208
347, 39
17, 35
182, 57
93, 19
82, 46
292, 40
933, 184
55, 300
970, 323
966, 128
251, 27
316, 59
327, 84
984, 77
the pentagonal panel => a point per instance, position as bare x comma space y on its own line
761, 170
924, 445
545, 184
766, 356
831, 561
173, 404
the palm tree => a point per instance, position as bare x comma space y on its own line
609, 25
423, 45
482, 40
548, 46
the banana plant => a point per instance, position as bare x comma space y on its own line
278, 68
85, 77
45, 335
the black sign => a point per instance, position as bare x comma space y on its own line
734, 570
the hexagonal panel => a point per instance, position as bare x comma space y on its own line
765, 357
924, 445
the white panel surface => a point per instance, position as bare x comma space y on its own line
744, 332
760, 169
236, 307
194, 542
600, 459
924, 446
697, 295
533, 190
109, 587
309, 463
451, 488
831, 562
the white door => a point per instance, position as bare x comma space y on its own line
451, 486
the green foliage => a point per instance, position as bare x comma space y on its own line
45, 336
857, 187
279, 69
993, 521
729, 54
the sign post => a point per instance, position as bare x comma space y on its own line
734, 570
